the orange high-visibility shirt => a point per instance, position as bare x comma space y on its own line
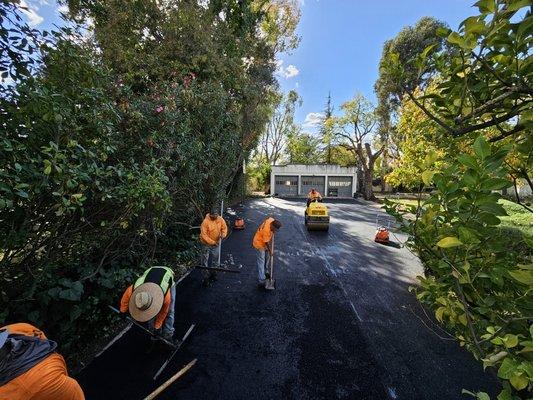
211, 231
47, 380
161, 316
315, 195
263, 235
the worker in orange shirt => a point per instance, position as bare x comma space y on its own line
312, 196
212, 231
263, 243
30, 368
152, 299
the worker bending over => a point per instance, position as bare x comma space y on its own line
212, 231
30, 368
152, 299
312, 196
263, 243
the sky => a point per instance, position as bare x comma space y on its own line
340, 47
341, 44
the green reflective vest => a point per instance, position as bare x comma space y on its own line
162, 276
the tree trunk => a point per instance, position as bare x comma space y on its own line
368, 193
360, 179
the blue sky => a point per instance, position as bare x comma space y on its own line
341, 43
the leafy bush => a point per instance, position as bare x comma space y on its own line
479, 279
111, 148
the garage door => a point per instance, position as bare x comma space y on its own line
340, 186
286, 185
310, 182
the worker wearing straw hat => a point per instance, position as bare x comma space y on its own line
151, 299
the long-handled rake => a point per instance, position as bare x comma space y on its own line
270, 284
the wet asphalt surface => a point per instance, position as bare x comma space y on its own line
341, 323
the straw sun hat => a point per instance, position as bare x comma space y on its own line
146, 301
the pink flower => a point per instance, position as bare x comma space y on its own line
159, 109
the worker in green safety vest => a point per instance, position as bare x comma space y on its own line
152, 299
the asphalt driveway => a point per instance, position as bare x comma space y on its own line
340, 325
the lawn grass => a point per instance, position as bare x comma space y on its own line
406, 202
518, 217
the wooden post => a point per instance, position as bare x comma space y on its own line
181, 372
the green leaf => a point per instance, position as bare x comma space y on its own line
496, 184
516, 5
439, 313
505, 395
427, 50
427, 177
442, 31
470, 178
23, 194
493, 208
522, 276
489, 219
73, 292
449, 241
510, 341
468, 161
527, 367
482, 147
507, 368
467, 235
455, 38
519, 382
486, 6
474, 25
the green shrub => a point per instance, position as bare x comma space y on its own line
480, 277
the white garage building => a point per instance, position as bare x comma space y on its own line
293, 180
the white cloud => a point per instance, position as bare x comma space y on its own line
287, 72
291, 71
62, 9
313, 119
30, 10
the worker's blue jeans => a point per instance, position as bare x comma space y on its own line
168, 324
209, 250
261, 264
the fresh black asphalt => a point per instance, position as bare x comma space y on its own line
341, 323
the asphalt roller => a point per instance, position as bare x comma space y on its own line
316, 217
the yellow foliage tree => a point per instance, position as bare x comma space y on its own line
417, 136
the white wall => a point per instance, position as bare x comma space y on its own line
312, 169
